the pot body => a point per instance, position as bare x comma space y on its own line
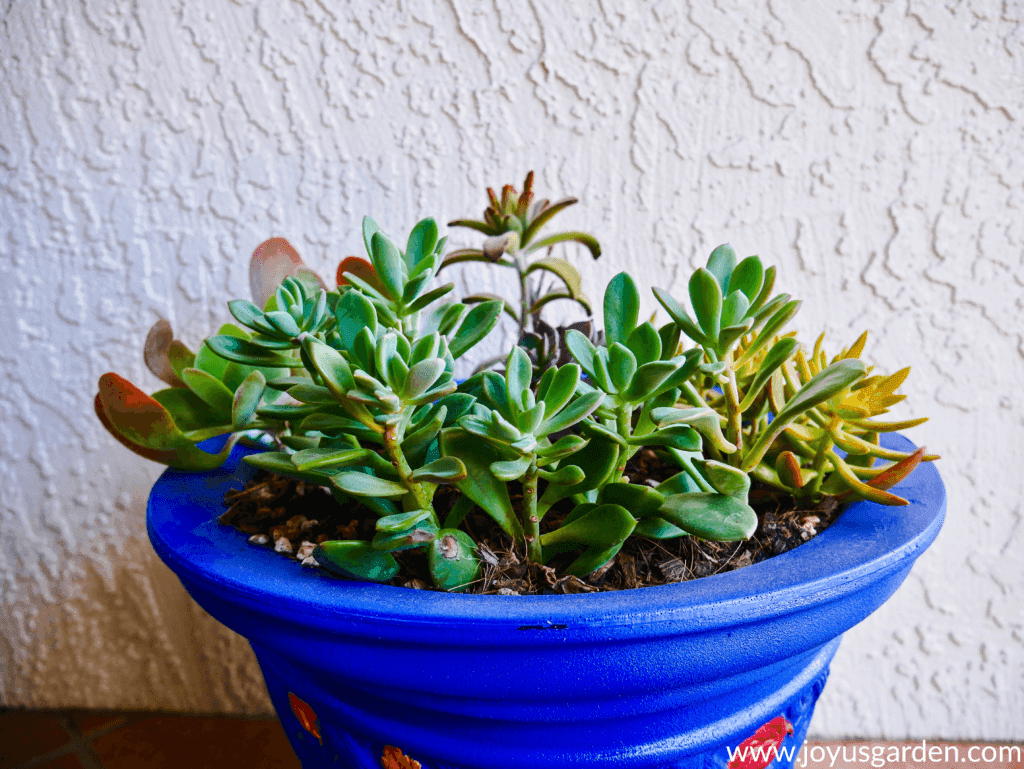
662, 677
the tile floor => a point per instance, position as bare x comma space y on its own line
86, 739
89, 739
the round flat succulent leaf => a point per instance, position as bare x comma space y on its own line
640, 501
717, 517
453, 560
603, 526
357, 560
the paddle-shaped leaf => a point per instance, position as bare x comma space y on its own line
212, 391
363, 485
716, 517
721, 264
246, 399
156, 353
443, 470
480, 485
603, 526
621, 309
478, 323
356, 560
706, 299
453, 561
243, 351
422, 241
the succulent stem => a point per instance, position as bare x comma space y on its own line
531, 519
821, 456
734, 427
623, 423
392, 444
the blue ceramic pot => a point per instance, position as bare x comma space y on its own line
657, 677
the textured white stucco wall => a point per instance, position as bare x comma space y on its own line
873, 150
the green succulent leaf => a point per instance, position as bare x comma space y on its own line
597, 460
748, 277
421, 377
621, 365
566, 272
453, 561
640, 501
246, 399
721, 264
330, 458
211, 390
682, 319
421, 244
621, 309
490, 494
243, 351
829, 382
280, 462
245, 312
717, 517
781, 351
734, 310
478, 323
392, 524
724, 478
416, 536
603, 526
705, 420
356, 560
648, 380
582, 238
574, 413
510, 470
353, 313
706, 299
443, 470
645, 343
363, 485
518, 373
771, 329
556, 387
565, 446
430, 297
565, 476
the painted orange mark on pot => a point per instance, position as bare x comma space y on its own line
306, 716
762, 747
394, 758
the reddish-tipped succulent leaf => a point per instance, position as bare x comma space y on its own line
143, 425
273, 261
362, 269
158, 351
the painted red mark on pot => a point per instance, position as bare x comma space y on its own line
761, 748
394, 758
306, 716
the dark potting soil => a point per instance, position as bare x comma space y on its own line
293, 517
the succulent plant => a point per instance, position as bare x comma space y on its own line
354, 389
512, 224
762, 386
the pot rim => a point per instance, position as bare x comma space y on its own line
867, 543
